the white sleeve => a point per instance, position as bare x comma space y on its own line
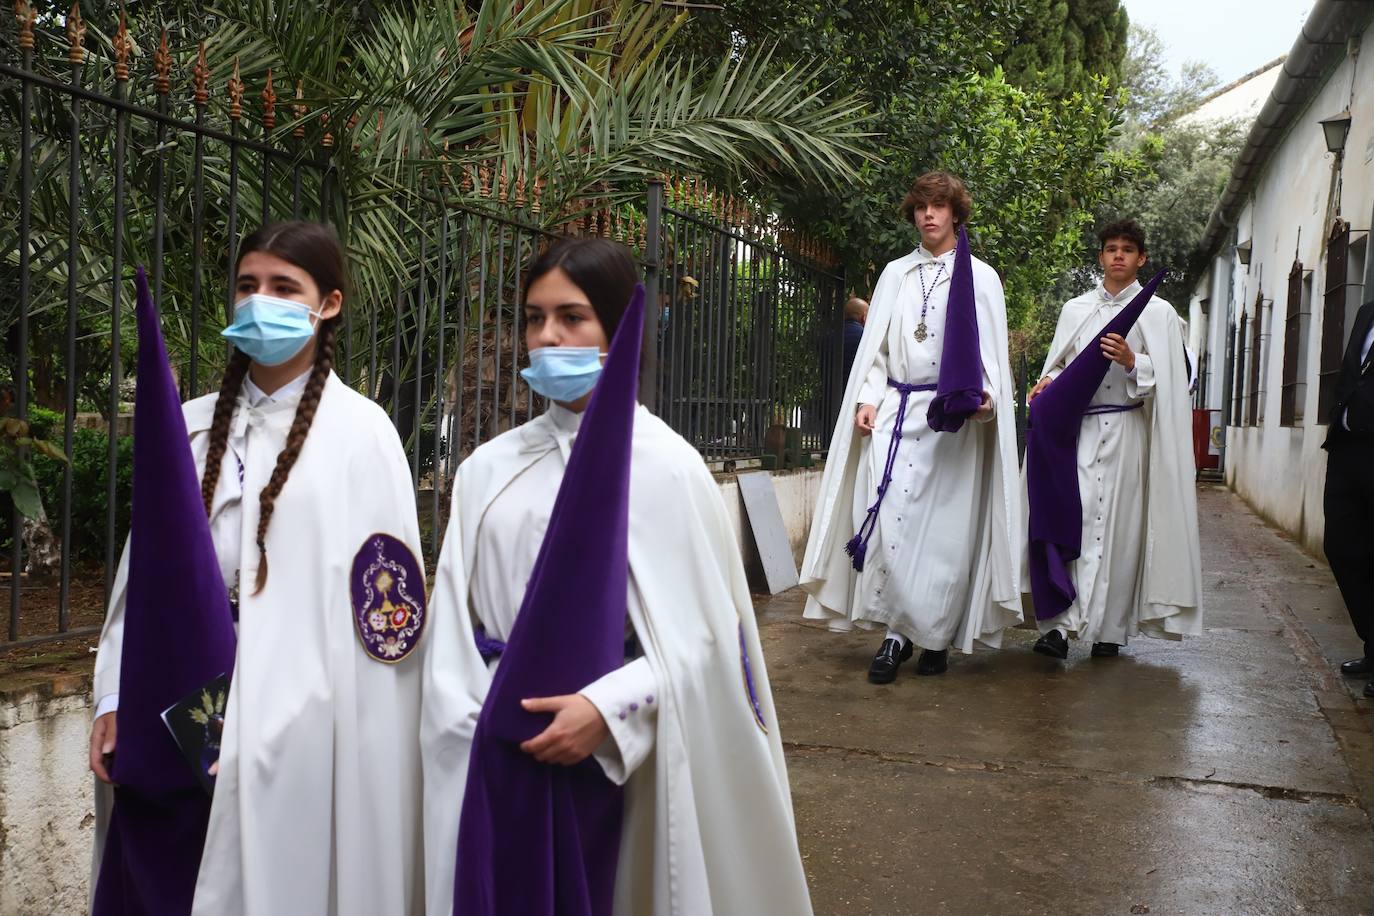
111, 648
1140, 381
627, 699
990, 386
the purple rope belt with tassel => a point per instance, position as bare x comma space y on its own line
857, 546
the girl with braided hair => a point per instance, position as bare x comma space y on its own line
316, 807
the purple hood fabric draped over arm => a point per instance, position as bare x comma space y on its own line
535, 838
178, 636
960, 390
1056, 507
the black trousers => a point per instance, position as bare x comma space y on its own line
1349, 538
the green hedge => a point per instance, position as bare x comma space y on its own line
90, 483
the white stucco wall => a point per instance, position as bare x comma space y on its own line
1241, 100
1281, 470
797, 493
46, 818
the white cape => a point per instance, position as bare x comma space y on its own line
995, 595
723, 836
1171, 590
317, 806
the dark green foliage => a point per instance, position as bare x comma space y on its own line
1062, 45
90, 452
1034, 160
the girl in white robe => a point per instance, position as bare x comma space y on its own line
687, 725
316, 808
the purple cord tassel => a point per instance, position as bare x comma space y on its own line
857, 548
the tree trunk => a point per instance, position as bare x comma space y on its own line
43, 552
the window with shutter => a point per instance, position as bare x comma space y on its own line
1252, 415
1293, 395
1333, 317
1238, 384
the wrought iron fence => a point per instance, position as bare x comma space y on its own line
97, 192
113, 168
750, 333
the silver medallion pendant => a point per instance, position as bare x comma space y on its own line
921, 334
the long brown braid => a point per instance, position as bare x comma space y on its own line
219, 429
314, 248
295, 439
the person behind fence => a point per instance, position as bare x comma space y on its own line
855, 314
1134, 473
1349, 496
316, 791
917, 513
622, 755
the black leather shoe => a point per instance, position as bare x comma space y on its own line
932, 662
1106, 650
890, 656
1369, 689
1358, 667
1053, 644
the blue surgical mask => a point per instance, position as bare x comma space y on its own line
563, 373
271, 330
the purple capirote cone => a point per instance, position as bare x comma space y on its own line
178, 636
534, 838
959, 391
1056, 506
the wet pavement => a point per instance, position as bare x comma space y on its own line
1233, 773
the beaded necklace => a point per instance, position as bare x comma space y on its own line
921, 331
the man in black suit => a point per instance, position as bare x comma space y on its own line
1349, 502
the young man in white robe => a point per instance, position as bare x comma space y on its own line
1139, 570
937, 567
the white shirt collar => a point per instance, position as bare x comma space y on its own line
924, 255
291, 390
1121, 298
565, 420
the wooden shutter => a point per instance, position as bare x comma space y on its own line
1292, 338
1238, 385
1255, 326
1333, 318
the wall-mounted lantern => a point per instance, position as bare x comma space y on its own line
1243, 252
1336, 128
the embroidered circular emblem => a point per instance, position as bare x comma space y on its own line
388, 598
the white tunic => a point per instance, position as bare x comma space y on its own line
508, 542
317, 804
918, 569
1112, 469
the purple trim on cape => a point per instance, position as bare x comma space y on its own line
960, 391
388, 591
749, 682
1056, 506
857, 546
178, 636
533, 838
